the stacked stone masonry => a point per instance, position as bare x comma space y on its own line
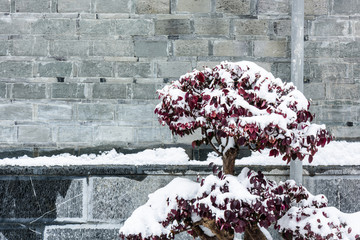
83, 74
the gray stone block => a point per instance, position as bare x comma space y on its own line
133, 69
113, 48
250, 27
172, 27
349, 195
114, 135
30, 47
96, 27
212, 26
16, 112
54, 27
150, 48
75, 134
151, 134
54, 112
33, 233
81, 232
270, 49
96, 69
74, 6
281, 28
144, 91
152, 6
12, 69
4, 6
112, 6
332, 114
10, 25
7, 134
55, 69
231, 48
345, 132
173, 69
343, 91
349, 49
40, 6
233, 6
116, 198
3, 90
29, 91
191, 6
66, 48
330, 27
95, 111
281, 7
133, 27
67, 90
191, 48
345, 7
318, 49
136, 115
109, 91
35, 196
4, 46
332, 72
282, 70
328, 187
314, 91
34, 134
316, 7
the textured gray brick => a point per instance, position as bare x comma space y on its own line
280, 7
7, 134
96, 27
67, 90
191, 48
73, 6
152, 6
133, 27
349, 49
151, 134
233, 6
54, 112
113, 48
349, 195
83, 232
34, 134
199, 6
39, 6
75, 134
4, 6
55, 69
330, 27
345, 7
281, 28
114, 134
344, 132
66, 48
109, 91
270, 49
3, 90
250, 27
136, 114
314, 91
131, 69
211, 26
335, 114
112, 6
332, 72
316, 7
318, 49
110, 202
29, 47
231, 48
150, 48
15, 112
54, 27
28, 91
173, 69
4, 48
343, 91
15, 69
328, 187
95, 112
144, 91
96, 69
10, 25
282, 71
172, 27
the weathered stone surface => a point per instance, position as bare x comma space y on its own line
144, 91
326, 186
55, 69
126, 69
233, 6
109, 91
29, 47
349, 49
281, 7
96, 69
270, 49
113, 48
15, 69
316, 7
10, 25
152, 6
317, 49
92, 27
15, 112
54, 27
54, 112
34, 134
133, 27
32, 6
172, 27
4, 6
67, 90
75, 134
330, 27
128, 114
7, 134
191, 48
250, 27
66, 48
314, 91
150, 48
18, 233
29, 91
198, 6
349, 195
4, 45
345, 7
232, 48
95, 112
74, 6
81, 232
173, 69
114, 135
343, 91
112, 6
332, 72
211, 26
281, 28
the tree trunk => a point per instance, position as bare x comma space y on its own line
254, 233
229, 160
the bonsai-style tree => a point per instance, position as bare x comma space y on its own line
234, 105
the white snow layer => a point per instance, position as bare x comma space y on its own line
335, 153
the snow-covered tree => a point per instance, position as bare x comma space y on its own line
233, 105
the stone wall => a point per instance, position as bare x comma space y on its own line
83, 74
91, 202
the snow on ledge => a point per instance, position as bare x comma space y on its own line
335, 153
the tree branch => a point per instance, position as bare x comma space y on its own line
212, 145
